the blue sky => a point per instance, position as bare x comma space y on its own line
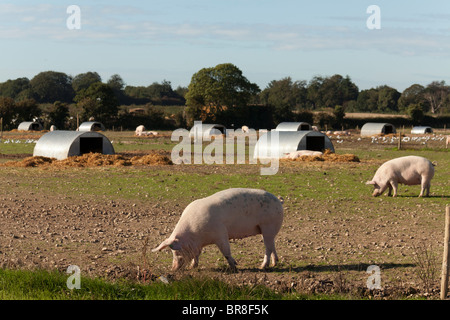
148, 41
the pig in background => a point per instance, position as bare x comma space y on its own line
234, 213
409, 170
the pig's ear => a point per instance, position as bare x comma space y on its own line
163, 245
371, 182
173, 244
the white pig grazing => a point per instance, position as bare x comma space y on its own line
229, 214
409, 170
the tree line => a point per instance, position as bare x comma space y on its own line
49, 95
221, 94
51, 86
224, 95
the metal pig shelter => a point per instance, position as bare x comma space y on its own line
290, 141
206, 130
293, 126
91, 126
421, 130
373, 128
30, 125
64, 144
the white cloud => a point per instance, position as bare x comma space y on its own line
119, 24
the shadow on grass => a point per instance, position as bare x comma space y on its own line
325, 268
425, 197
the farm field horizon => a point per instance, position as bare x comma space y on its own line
105, 219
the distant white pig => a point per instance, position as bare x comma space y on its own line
229, 214
409, 170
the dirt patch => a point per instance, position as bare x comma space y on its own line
151, 159
14, 156
92, 160
112, 238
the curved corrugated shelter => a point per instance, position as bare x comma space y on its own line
91, 126
373, 128
206, 130
290, 141
64, 144
30, 125
421, 130
293, 126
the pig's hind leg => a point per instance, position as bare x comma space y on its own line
425, 186
271, 253
269, 233
394, 186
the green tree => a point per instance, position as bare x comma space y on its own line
181, 91
162, 93
339, 114
14, 88
156, 93
324, 120
337, 90
436, 94
415, 111
116, 82
7, 109
84, 80
222, 86
117, 85
387, 99
159, 90
284, 91
26, 110
327, 92
367, 100
98, 102
314, 94
51, 86
304, 116
58, 114
414, 94
285, 96
139, 92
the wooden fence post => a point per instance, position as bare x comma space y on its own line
444, 274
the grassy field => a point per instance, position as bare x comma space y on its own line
333, 228
45, 285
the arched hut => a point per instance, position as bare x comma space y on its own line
206, 130
293, 126
30, 126
63, 144
290, 141
91, 126
421, 130
373, 128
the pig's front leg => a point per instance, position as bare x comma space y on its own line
394, 186
224, 247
